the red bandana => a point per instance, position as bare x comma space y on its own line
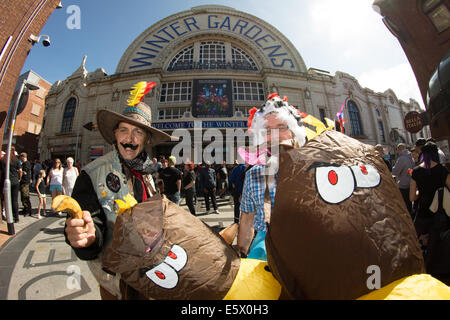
139, 176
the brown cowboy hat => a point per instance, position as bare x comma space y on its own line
139, 115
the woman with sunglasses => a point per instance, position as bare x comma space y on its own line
55, 179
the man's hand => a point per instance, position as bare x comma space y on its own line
81, 232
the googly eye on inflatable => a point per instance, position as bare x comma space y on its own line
334, 183
337, 183
366, 176
163, 275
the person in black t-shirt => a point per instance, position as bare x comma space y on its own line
209, 183
189, 186
426, 179
431, 228
25, 181
171, 177
15, 171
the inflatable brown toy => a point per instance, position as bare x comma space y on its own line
338, 218
164, 252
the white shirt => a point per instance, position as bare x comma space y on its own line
57, 176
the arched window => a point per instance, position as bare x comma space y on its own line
182, 59
205, 55
69, 113
238, 56
381, 131
355, 119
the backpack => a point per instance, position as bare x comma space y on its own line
441, 198
437, 256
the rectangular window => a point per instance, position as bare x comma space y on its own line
322, 115
212, 52
40, 93
176, 91
171, 113
66, 125
440, 18
31, 126
35, 109
248, 91
243, 110
381, 130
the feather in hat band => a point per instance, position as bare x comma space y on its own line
140, 89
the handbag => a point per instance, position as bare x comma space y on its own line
437, 258
445, 201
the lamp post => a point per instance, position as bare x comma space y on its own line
7, 185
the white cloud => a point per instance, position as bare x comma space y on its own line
399, 78
340, 21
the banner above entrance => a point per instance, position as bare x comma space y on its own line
204, 124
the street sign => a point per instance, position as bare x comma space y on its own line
413, 122
90, 126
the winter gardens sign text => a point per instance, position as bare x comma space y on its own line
271, 46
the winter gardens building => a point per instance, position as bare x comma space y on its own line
212, 65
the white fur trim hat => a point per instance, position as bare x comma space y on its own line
285, 112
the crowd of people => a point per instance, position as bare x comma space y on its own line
408, 161
44, 178
129, 169
420, 172
195, 181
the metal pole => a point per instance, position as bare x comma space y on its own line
78, 136
7, 186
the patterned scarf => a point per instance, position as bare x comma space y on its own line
142, 163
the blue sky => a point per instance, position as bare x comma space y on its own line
344, 35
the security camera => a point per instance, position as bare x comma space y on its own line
45, 42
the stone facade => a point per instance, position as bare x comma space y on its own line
212, 43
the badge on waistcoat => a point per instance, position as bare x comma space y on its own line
113, 182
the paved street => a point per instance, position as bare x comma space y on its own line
36, 263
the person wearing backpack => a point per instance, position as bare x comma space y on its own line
236, 181
432, 228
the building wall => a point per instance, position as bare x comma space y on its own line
31, 118
29, 122
18, 19
307, 89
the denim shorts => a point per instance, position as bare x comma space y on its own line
55, 187
175, 197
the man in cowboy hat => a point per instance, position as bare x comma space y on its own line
125, 170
